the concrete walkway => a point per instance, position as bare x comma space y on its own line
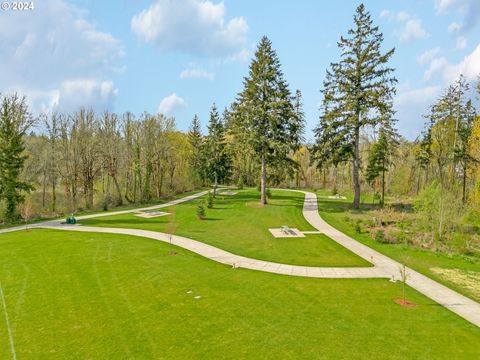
459, 304
384, 267
56, 223
233, 260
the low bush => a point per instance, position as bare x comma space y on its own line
380, 237
201, 212
358, 226
209, 201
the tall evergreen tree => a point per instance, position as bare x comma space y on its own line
379, 159
298, 122
265, 107
217, 159
197, 161
358, 92
15, 120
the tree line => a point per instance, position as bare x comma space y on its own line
85, 160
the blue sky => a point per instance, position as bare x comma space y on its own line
179, 56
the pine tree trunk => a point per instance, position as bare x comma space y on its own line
263, 181
356, 170
464, 185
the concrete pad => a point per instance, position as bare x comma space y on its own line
290, 233
338, 197
151, 214
228, 193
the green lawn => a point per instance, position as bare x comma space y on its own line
333, 211
99, 296
38, 219
240, 225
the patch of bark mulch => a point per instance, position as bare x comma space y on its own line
404, 303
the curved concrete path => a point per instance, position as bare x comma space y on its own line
233, 260
384, 267
452, 300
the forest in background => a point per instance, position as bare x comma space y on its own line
423, 193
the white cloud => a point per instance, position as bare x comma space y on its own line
192, 26
171, 103
197, 72
436, 66
412, 31
403, 16
428, 55
241, 56
411, 104
468, 9
443, 5
454, 27
45, 52
469, 67
92, 92
385, 13
461, 42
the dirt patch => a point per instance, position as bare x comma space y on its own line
172, 253
467, 279
404, 303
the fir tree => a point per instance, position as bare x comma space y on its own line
197, 160
265, 108
15, 121
379, 159
217, 159
358, 93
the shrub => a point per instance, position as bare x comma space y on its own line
209, 201
358, 227
105, 205
437, 210
201, 212
401, 238
334, 190
241, 182
380, 237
